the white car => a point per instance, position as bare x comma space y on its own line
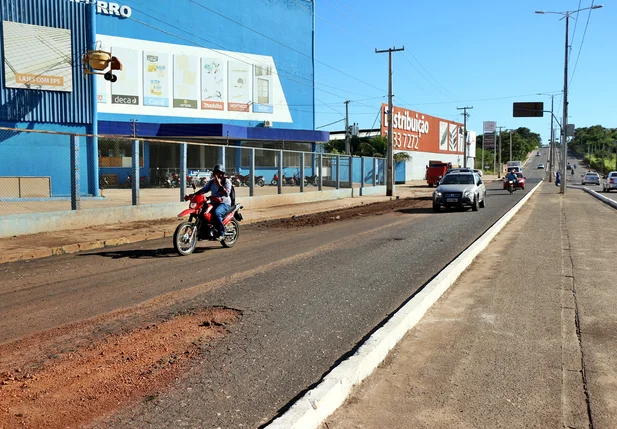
610, 182
460, 190
591, 178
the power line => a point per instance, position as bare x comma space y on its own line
331, 123
575, 25
249, 62
379, 32
582, 41
286, 46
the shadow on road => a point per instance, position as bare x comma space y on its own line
142, 253
416, 210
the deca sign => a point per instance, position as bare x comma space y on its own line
108, 8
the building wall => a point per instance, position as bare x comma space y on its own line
49, 155
33, 154
238, 30
20, 105
416, 168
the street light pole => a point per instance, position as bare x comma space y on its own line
552, 148
390, 160
564, 122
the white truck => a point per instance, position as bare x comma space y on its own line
516, 166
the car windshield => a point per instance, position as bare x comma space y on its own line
591, 174
457, 179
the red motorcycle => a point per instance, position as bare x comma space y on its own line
200, 225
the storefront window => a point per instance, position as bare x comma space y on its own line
118, 153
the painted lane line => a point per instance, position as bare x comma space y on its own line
319, 403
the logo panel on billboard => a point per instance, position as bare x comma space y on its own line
414, 131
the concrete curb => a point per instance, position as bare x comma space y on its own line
599, 196
319, 403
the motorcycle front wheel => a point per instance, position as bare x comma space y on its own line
261, 182
185, 238
232, 232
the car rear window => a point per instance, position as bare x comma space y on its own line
458, 179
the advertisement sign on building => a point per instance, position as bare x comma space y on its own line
262, 89
186, 82
202, 82
125, 90
239, 92
414, 131
156, 78
212, 84
37, 57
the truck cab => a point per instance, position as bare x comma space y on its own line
435, 172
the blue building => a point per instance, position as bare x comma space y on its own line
237, 73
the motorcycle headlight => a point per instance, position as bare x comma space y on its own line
192, 205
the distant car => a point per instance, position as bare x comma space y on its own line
610, 182
540, 166
463, 189
478, 172
591, 179
521, 181
459, 170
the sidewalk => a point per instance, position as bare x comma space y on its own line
62, 242
501, 348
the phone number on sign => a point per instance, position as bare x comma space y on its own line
405, 141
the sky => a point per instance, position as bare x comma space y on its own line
481, 53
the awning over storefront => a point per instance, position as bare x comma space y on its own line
235, 132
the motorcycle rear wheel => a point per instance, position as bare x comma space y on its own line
185, 240
232, 232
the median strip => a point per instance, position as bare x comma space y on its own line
319, 403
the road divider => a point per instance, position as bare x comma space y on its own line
319, 403
597, 195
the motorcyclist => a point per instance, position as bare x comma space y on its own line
512, 176
220, 188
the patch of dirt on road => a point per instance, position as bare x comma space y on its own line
406, 205
90, 382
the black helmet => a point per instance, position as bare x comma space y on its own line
218, 168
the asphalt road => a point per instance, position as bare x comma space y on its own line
576, 179
308, 298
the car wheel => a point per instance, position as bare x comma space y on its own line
435, 207
483, 202
474, 205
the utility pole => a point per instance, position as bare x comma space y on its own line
390, 160
552, 143
564, 123
499, 150
510, 145
464, 109
347, 142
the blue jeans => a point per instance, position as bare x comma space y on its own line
219, 212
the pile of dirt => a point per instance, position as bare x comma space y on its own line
89, 382
406, 205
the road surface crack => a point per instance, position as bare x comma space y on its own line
577, 319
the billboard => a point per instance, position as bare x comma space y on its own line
414, 131
490, 126
163, 79
37, 57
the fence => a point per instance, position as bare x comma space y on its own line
56, 172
